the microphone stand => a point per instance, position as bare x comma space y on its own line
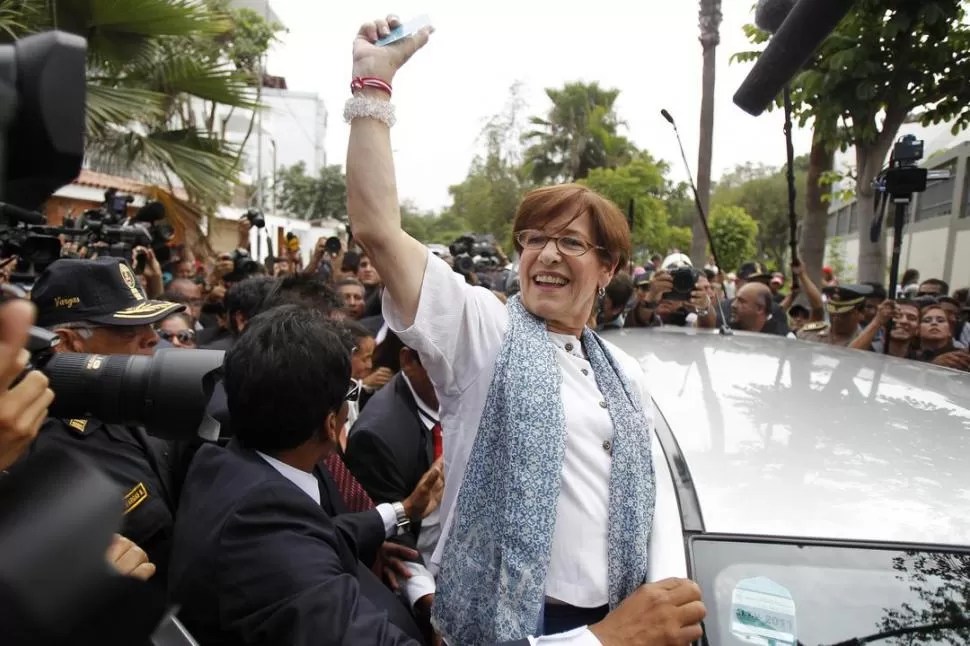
792, 217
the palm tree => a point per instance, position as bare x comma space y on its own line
710, 23
149, 63
579, 133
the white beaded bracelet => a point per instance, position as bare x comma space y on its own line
365, 107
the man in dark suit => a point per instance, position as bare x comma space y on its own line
256, 558
392, 445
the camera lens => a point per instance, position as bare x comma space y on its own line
333, 244
684, 279
166, 392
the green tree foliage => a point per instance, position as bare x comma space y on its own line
148, 61
884, 62
762, 191
642, 181
580, 133
306, 197
734, 233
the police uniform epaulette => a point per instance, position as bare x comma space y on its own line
814, 326
80, 426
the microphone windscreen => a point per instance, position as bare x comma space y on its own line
769, 15
666, 115
808, 24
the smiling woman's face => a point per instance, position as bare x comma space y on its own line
561, 288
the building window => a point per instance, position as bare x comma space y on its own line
937, 200
854, 217
830, 229
842, 227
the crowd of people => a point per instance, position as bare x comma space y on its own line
407, 456
925, 322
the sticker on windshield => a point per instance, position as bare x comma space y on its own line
763, 613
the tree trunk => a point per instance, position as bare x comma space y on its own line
869, 162
698, 245
811, 250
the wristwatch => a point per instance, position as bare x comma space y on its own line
403, 522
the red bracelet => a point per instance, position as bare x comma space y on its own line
360, 82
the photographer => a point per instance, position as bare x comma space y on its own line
97, 306
658, 303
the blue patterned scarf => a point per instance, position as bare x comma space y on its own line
491, 585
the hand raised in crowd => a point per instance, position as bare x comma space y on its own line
384, 62
665, 613
886, 312
23, 408
427, 494
378, 378
242, 230
661, 283
127, 559
152, 268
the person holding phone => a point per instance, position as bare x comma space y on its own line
547, 429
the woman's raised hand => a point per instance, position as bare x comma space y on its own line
384, 62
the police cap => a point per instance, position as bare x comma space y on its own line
845, 298
103, 291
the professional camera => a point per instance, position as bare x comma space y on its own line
684, 281
166, 393
113, 233
255, 218
474, 253
904, 177
243, 266
35, 246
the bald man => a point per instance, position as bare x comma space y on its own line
751, 308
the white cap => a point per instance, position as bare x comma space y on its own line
676, 260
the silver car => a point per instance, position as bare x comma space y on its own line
822, 494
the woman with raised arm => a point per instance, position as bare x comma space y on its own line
548, 440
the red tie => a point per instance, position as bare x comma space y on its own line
350, 489
436, 434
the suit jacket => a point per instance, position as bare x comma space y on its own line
389, 448
364, 529
256, 561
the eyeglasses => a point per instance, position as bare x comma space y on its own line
183, 336
567, 245
353, 393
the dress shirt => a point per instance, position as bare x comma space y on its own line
422, 582
458, 332
311, 487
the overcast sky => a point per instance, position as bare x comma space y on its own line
462, 77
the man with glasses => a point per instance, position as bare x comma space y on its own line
98, 306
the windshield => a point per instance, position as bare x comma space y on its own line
782, 594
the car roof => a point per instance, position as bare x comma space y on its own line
791, 438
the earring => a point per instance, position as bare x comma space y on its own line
601, 292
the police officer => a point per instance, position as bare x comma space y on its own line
98, 306
846, 308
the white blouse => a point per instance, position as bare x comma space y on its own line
458, 332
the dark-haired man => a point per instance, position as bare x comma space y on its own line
256, 558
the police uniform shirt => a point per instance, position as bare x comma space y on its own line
139, 464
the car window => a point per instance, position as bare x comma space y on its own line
783, 594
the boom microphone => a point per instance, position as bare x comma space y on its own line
697, 200
808, 24
770, 15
